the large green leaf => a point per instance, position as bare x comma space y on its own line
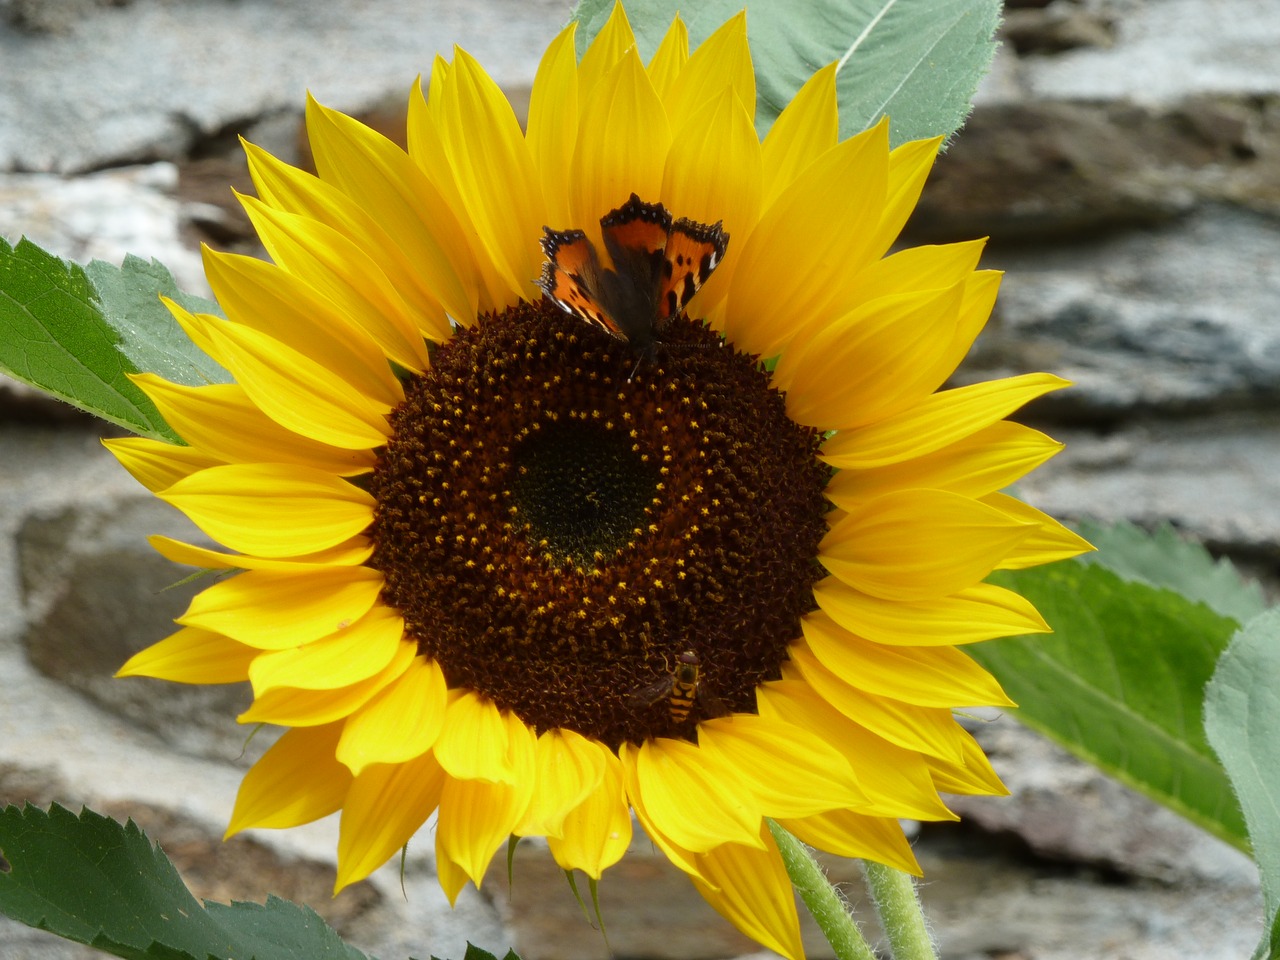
1121, 682
1242, 720
916, 61
149, 336
94, 881
77, 333
1164, 559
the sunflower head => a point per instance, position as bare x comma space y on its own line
601, 468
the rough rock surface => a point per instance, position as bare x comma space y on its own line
1124, 159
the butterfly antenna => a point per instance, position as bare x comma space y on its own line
635, 369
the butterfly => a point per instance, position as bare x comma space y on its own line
658, 265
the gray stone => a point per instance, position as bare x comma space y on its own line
50, 16
1217, 478
104, 216
1067, 811
1164, 51
95, 593
153, 80
1127, 166
1062, 170
981, 907
1177, 320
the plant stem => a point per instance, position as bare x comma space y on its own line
898, 907
823, 900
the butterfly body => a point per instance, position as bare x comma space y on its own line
658, 264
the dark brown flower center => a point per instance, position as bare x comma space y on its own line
587, 547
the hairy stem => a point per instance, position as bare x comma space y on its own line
823, 900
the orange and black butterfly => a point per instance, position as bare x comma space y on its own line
658, 265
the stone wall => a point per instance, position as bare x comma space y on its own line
1124, 158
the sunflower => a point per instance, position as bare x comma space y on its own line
596, 469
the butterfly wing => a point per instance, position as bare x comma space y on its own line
635, 237
693, 251
656, 266
571, 277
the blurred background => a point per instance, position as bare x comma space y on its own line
1124, 159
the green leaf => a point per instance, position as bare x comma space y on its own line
476, 953
916, 61
94, 881
77, 333
1121, 682
1269, 948
149, 336
1242, 720
1164, 559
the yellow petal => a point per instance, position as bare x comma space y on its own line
870, 363
749, 887
385, 806
340, 271
858, 836
158, 465
350, 554
896, 780
980, 612
713, 174
388, 185
497, 182
429, 150
569, 768
481, 742
278, 610
929, 267
553, 122
670, 772
828, 207
623, 138
628, 754
919, 544
927, 730
293, 390
192, 656
222, 421
936, 422
611, 43
292, 707
909, 166
671, 56
295, 782
402, 722
477, 816
596, 833
1049, 542
972, 776
352, 654
806, 129
295, 191
452, 878
974, 466
723, 58
263, 297
791, 771
272, 510
440, 71
938, 676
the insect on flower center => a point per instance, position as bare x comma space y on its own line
610, 529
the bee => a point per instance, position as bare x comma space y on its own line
682, 687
